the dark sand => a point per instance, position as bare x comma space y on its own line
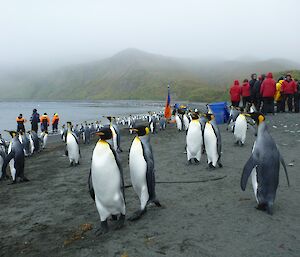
44, 217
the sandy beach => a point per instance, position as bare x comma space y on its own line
54, 215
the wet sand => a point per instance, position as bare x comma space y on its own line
53, 214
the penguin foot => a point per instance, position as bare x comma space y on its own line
211, 166
114, 217
137, 215
261, 207
196, 161
103, 229
157, 203
121, 222
220, 165
24, 179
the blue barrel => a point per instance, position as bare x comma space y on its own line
220, 111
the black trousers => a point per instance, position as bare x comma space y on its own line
279, 105
257, 100
20, 127
289, 99
235, 104
268, 105
296, 102
246, 99
34, 127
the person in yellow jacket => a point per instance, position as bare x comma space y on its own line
55, 121
278, 97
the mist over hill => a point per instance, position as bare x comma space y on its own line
134, 74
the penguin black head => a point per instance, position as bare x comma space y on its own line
141, 130
258, 117
209, 116
12, 133
110, 118
195, 115
105, 133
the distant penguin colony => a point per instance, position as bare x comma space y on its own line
106, 179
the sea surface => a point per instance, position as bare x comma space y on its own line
74, 111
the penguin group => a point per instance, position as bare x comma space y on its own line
13, 152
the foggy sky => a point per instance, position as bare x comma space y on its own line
55, 32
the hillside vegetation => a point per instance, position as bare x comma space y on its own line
133, 74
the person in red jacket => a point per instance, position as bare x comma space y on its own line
267, 91
246, 94
235, 94
288, 90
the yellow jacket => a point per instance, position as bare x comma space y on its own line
277, 96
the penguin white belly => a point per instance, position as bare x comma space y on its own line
45, 139
31, 148
138, 169
254, 178
178, 122
12, 164
186, 122
194, 140
106, 182
210, 142
240, 129
114, 139
73, 148
151, 127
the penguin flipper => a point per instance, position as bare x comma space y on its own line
6, 162
120, 169
249, 166
285, 170
150, 176
218, 136
90, 183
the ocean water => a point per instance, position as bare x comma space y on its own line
74, 111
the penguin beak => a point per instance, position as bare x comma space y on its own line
134, 130
100, 134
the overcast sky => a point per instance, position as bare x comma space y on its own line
40, 32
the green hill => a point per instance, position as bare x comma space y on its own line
133, 74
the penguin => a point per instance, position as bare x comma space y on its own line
233, 114
45, 139
162, 123
15, 159
212, 142
194, 140
72, 146
263, 166
178, 120
86, 134
142, 171
152, 124
24, 140
31, 143
36, 141
63, 133
186, 121
116, 139
106, 183
2, 157
240, 129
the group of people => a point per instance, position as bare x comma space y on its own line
266, 94
35, 119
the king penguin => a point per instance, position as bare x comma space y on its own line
72, 146
194, 139
178, 120
15, 159
240, 129
212, 142
106, 183
263, 166
116, 139
142, 172
186, 121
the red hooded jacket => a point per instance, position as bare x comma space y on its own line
235, 92
268, 87
289, 87
246, 89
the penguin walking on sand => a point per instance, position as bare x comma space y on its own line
186, 121
263, 166
36, 141
15, 159
2, 154
106, 183
178, 120
240, 129
194, 140
72, 146
24, 140
44, 139
212, 142
116, 139
233, 114
142, 171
